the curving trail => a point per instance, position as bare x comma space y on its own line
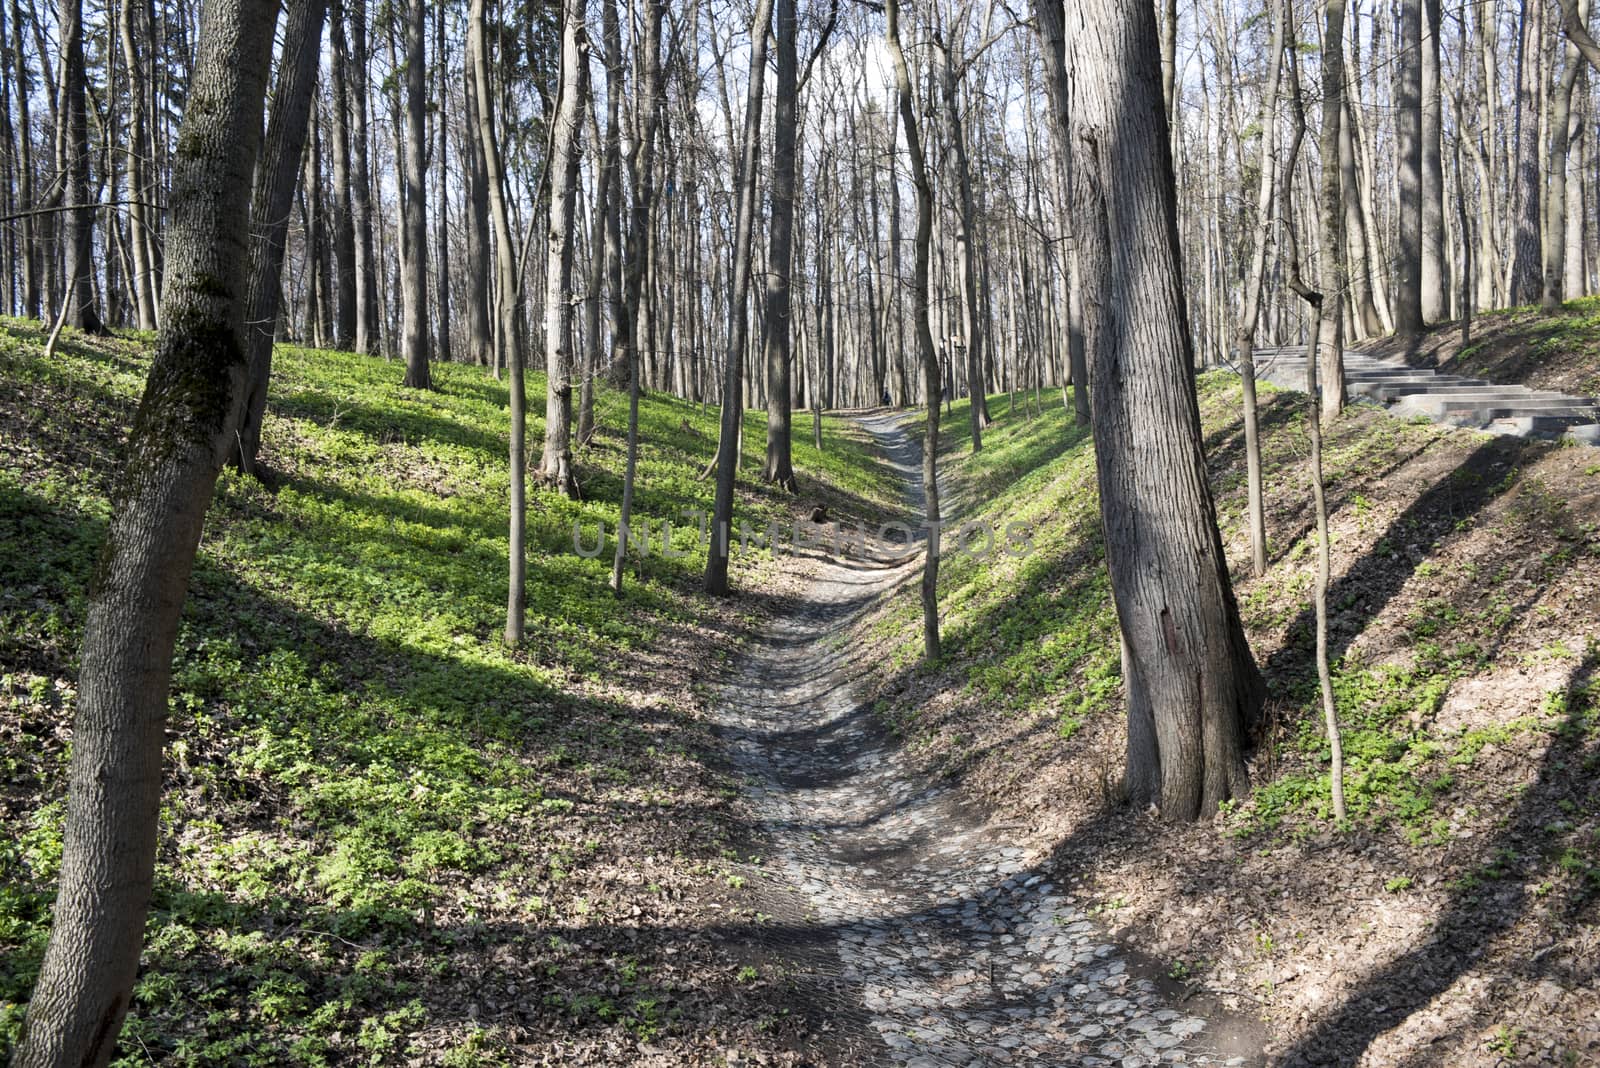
931, 938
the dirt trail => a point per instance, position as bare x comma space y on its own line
921, 923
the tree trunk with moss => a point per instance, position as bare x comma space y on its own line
182, 433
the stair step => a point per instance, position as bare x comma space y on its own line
1523, 425
1433, 398
1585, 433
1452, 399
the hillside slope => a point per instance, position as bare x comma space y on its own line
1559, 351
387, 838
1456, 919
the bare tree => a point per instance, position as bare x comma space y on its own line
414, 205
1245, 335
72, 155
716, 579
931, 387
507, 341
292, 95
563, 164
181, 435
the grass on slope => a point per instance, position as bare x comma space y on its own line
386, 836
1036, 637
1466, 639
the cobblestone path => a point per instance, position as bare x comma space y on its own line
952, 948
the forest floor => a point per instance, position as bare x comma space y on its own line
1455, 919
929, 934
389, 839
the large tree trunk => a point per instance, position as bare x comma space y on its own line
779, 466
1408, 319
1555, 239
1193, 690
292, 95
181, 434
716, 579
557, 466
73, 120
414, 206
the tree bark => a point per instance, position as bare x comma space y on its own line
143, 280
1244, 339
1555, 238
1408, 318
716, 578
1526, 265
966, 255
26, 227
480, 335
73, 119
595, 281
507, 341
642, 163
1049, 20
367, 327
931, 386
414, 208
441, 215
287, 122
779, 467
344, 231
181, 434
563, 164
1435, 265
1193, 689
1330, 325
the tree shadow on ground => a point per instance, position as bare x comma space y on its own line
1485, 906
1357, 597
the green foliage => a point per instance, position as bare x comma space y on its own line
359, 769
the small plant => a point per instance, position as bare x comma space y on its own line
1504, 1041
1398, 883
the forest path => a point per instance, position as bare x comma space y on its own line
902, 911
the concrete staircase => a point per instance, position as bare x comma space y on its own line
1451, 399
